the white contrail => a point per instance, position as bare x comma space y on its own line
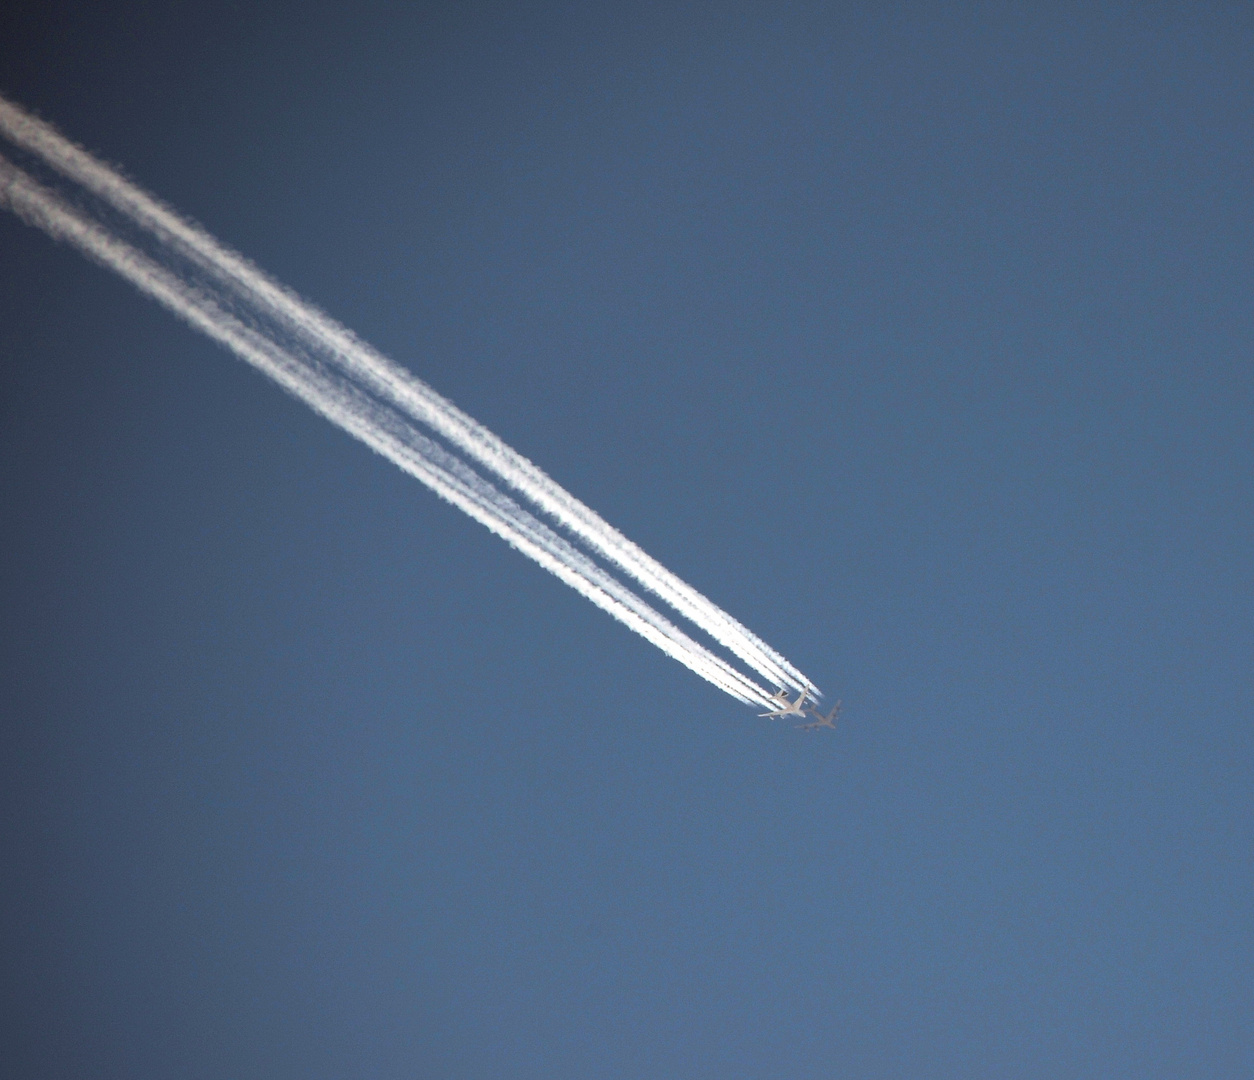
347, 407
381, 428
339, 347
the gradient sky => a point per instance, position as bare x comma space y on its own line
916, 336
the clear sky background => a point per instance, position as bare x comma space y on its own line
916, 336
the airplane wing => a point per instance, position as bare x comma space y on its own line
776, 714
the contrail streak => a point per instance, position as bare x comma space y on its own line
325, 365
389, 435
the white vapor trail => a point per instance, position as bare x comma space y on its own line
325, 365
389, 435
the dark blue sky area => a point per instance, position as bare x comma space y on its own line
916, 336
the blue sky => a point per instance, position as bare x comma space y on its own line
917, 337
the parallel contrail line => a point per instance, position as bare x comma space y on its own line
382, 429
394, 384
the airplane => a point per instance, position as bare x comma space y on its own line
787, 708
820, 720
